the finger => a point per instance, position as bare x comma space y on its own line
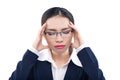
76, 32
40, 33
77, 35
71, 25
43, 28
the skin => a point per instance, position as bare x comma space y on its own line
58, 23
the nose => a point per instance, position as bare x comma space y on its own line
59, 38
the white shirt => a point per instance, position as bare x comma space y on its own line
58, 73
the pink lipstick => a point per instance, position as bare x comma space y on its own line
59, 46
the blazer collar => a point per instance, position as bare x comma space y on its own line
45, 55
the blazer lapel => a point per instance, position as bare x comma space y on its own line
44, 72
73, 72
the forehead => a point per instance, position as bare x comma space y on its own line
57, 23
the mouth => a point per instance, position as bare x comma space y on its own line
59, 46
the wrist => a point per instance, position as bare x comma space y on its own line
35, 51
81, 47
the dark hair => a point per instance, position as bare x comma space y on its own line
54, 11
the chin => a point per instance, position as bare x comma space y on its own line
59, 51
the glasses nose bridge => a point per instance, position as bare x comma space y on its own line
58, 33
59, 38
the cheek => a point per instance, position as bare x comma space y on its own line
69, 40
50, 42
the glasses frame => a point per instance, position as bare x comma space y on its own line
56, 33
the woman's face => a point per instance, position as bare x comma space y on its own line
58, 34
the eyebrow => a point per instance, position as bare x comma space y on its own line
56, 30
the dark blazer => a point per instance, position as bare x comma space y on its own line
32, 69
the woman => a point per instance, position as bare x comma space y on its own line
61, 59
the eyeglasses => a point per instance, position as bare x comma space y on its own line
63, 34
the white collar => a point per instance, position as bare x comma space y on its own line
45, 55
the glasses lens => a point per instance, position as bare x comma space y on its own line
64, 33
51, 34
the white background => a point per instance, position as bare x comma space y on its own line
97, 20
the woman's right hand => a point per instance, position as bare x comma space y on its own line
38, 41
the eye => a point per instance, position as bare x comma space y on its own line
66, 32
51, 33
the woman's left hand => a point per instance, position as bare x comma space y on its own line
78, 41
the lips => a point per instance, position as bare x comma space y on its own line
59, 46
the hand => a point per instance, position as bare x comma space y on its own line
77, 37
38, 41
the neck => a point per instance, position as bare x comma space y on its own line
60, 58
